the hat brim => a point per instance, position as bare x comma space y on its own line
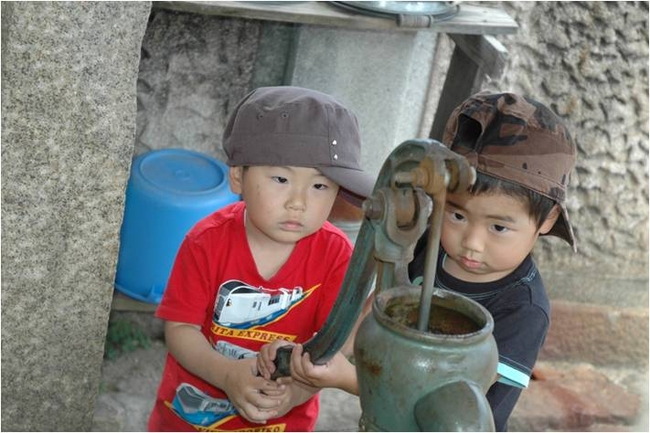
356, 185
563, 229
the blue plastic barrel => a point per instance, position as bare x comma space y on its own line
169, 191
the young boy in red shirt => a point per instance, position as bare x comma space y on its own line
266, 268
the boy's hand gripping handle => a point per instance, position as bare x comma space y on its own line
282, 362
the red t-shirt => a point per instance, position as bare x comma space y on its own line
214, 283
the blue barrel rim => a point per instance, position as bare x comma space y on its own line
138, 175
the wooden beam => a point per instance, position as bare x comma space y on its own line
458, 86
470, 19
486, 51
472, 59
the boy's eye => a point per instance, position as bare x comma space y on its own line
500, 229
456, 216
279, 179
320, 186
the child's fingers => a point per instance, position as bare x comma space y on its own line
257, 415
307, 365
276, 392
268, 396
297, 363
267, 354
265, 364
284, 380
262, 370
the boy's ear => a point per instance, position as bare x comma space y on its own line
235, 176
550, 220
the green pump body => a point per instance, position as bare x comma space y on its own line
421, 381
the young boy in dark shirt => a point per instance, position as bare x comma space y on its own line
523, 155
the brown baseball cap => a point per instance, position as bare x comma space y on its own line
519, 140
300, 127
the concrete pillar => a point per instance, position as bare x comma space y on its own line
69, 76
382, 76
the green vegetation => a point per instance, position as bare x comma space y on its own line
123, 337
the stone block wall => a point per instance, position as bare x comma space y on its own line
194, 69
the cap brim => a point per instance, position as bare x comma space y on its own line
563, 229
356, 185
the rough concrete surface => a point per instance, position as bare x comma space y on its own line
564, 397
69, 72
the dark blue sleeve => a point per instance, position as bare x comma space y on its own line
519, 332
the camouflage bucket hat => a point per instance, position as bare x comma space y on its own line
519, 140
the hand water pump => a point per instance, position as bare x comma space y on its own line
425, 356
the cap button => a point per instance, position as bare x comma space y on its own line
336, 156
334, 143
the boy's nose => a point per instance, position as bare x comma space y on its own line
297, 200
473, 239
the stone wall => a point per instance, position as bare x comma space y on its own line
194, 69
68, 125
588, 61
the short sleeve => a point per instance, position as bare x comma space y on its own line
188, 292
519, 333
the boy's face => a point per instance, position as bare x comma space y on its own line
283, 204
487, 236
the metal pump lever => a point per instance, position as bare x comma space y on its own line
413, 180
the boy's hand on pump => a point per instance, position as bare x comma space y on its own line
255, 398
297, 391
265, 365
338, 372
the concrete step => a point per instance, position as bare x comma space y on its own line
598, 334
582, 397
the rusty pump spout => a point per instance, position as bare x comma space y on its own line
406, 379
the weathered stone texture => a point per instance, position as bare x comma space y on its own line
68, 108
589, 62
194, 69
600, 336
575, 398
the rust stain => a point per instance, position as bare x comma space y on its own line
372, 367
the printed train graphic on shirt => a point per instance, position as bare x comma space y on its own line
198, 408
239, 305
